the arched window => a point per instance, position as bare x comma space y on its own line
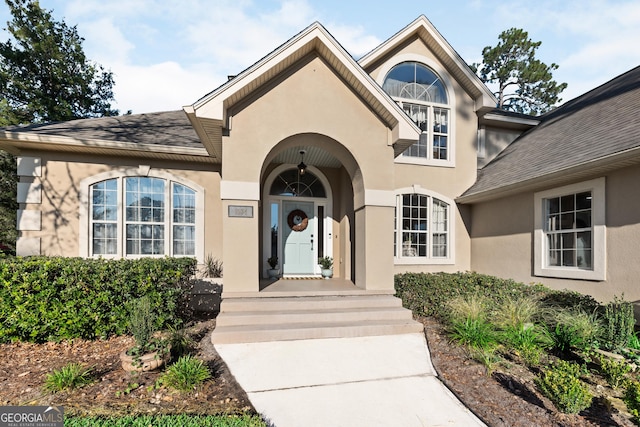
422, 95
291, 183
141, 216
422, 228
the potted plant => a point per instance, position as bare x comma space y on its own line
273, 272
149, 352
326, 265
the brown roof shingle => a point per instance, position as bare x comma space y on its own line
598, 124
171, 128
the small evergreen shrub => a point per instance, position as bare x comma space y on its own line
632, 399
70, 376
614, 371
562, 385
187, 373
619, 323
55, 298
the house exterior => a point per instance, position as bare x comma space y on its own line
396, 162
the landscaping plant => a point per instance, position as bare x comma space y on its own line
212, 267
562, 385
187, 373
619, 322
575, 329
614, 371
70, 376
632, 399
167, 421
55, 298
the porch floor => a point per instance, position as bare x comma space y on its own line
307, 287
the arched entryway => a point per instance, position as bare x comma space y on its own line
297, 219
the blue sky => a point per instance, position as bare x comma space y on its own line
166, 53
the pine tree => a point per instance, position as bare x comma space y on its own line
44, 77
525, 84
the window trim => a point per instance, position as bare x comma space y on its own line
598, 209
451, 220
444, 77
85, 235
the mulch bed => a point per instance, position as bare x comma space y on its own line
506, 398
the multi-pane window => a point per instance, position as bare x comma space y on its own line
145, 216
156, 217
421, 227
422, 95
184, 220
104, 215
568, 229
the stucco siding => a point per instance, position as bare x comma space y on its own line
502, 233
61, 192
311, 100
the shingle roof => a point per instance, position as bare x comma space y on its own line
170, 128
599, 124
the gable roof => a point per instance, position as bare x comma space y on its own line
446, 54
209, 114
592, 134
164, 135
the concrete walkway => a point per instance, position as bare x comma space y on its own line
366, 381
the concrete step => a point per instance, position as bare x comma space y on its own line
308, 303
246, 318
301, 331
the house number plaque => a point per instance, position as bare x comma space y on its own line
240, 211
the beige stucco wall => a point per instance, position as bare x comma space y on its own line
60, 207
502, 233
309, 105
311, 100
446, 181
496, 140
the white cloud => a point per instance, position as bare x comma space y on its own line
161, 87
354, 39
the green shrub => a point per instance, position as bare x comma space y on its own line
562, 385
180, 342
187, 373
527, 341
468, 307
614, 371
632, 399
514, 312
619, 323
53, 299
575, 329
70, 376
167, 421
429, 294
475, 333
569, 300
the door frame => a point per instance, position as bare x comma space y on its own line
327, 220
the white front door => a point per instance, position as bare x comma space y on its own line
298, 223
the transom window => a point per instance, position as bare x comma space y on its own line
422, 95
421, 227
291, 183
144, 225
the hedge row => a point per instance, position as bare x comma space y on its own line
427, 294
52, 299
